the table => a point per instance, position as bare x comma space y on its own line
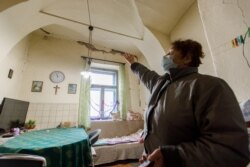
62, 147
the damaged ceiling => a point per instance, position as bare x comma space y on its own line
113, 20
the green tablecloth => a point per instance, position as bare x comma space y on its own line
65, 147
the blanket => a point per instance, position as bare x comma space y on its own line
118, 140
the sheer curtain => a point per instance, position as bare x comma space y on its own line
84, 97
122, 92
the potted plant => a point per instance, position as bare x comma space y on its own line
31, 124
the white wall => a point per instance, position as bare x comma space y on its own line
15, 60
139, 92
152, 49
190, 27
153, 62
223, 21
46, 55
34, 58
163, 39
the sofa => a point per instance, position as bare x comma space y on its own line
113, 131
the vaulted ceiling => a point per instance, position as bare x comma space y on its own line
113, 20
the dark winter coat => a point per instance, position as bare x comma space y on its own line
194, 118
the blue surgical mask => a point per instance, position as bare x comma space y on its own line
167, 63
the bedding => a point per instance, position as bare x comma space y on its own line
118, 140
111, 153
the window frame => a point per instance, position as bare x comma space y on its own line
114, 73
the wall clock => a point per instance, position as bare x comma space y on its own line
57, 76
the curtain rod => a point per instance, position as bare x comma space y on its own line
85, 57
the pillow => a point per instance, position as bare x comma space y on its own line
245, 108
133, 116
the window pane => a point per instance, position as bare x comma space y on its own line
99, 77
95, 103
103, 93
109, 102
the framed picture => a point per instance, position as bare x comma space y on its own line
72, 88
37, 86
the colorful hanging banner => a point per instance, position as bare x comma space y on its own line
240, 40
249, 32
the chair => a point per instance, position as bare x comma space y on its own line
93, 137
2, 131
22, 160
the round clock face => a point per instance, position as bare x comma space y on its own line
56, 76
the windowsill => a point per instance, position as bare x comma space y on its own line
107, 120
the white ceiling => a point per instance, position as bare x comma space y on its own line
113, 20
162, 15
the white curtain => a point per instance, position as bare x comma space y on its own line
84, 99
122, 92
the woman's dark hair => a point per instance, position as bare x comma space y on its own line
191, 48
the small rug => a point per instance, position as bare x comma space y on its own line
120, 165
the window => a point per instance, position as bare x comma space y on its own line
103, 93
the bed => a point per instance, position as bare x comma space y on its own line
118, 141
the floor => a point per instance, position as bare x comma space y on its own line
125, 163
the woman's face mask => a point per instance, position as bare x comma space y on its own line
167, 63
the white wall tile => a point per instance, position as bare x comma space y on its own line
50, 115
